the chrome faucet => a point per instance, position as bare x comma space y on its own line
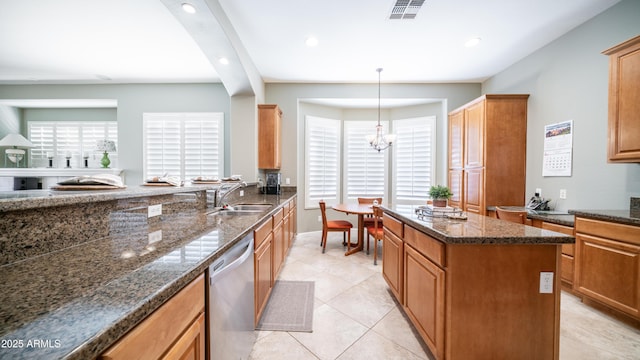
220, 196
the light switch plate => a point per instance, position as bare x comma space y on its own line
155, 210
546, 282
155, 236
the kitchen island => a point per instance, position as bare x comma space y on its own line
478, 288
81, 269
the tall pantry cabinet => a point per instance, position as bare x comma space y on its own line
487, 152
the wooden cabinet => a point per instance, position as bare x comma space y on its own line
624, 101
269, 133
424, 297
175, 331
470, 301
392, 263
487, 152
263, 277
607, 267
567, 262
272, 243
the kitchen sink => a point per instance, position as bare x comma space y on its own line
254, 207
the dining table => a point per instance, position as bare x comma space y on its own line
361, 210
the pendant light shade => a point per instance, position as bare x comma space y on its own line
379, 141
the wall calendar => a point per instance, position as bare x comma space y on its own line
558, 149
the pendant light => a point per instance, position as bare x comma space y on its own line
379, 141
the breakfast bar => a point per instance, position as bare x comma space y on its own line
477, 287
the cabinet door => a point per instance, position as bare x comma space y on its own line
456, 140
474, 191
278, 248
269, 132
474, 135
392, 263
455, 184
263, 280
190, 346
608, 271
624, 101
424, 301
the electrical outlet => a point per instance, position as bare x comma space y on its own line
539, 191
563, 193
155, 236
241, 192
546, 282
319, 218
154, 210
287, 181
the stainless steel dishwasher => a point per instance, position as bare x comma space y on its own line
231, 309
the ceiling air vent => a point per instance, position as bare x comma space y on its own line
405, 9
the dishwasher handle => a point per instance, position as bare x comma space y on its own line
219, 269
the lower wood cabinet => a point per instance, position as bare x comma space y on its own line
174, 331
608, 264
568, 252
272, 243
393, 263
474, 301
424, 301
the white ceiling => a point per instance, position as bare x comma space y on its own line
141, 41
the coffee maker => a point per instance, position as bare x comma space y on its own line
273, 183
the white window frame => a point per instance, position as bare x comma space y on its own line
180, 142
420, 193
360, 161
76, 146
328, 134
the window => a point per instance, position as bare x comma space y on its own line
183, 144
322, 160
413, 159
58, 138
364, 168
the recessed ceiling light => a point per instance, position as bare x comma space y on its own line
472, 42
223, 61
311, 41
188, 8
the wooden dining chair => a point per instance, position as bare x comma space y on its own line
334, 225
368, 220
376, 230
516, 216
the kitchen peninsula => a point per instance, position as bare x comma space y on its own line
79, 270
480, 288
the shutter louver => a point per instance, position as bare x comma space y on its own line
322, 160
414, 159
364, 168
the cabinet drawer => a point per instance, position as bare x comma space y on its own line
394, 225
425, 244
605, 229
567, 230
277, 217
262, 232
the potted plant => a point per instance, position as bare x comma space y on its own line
440, 195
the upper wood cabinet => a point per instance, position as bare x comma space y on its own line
487, 152
269, 134
624, 101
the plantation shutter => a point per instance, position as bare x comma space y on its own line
414, 159
322, 160
183, 144
364, 168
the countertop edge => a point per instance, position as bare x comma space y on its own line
625, 217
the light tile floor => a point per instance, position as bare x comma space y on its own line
356, 317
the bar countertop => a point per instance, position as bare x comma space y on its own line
476, 229
75, 302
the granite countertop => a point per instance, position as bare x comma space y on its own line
477, 229
32, 199
75, 302
556, 217
627, 217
